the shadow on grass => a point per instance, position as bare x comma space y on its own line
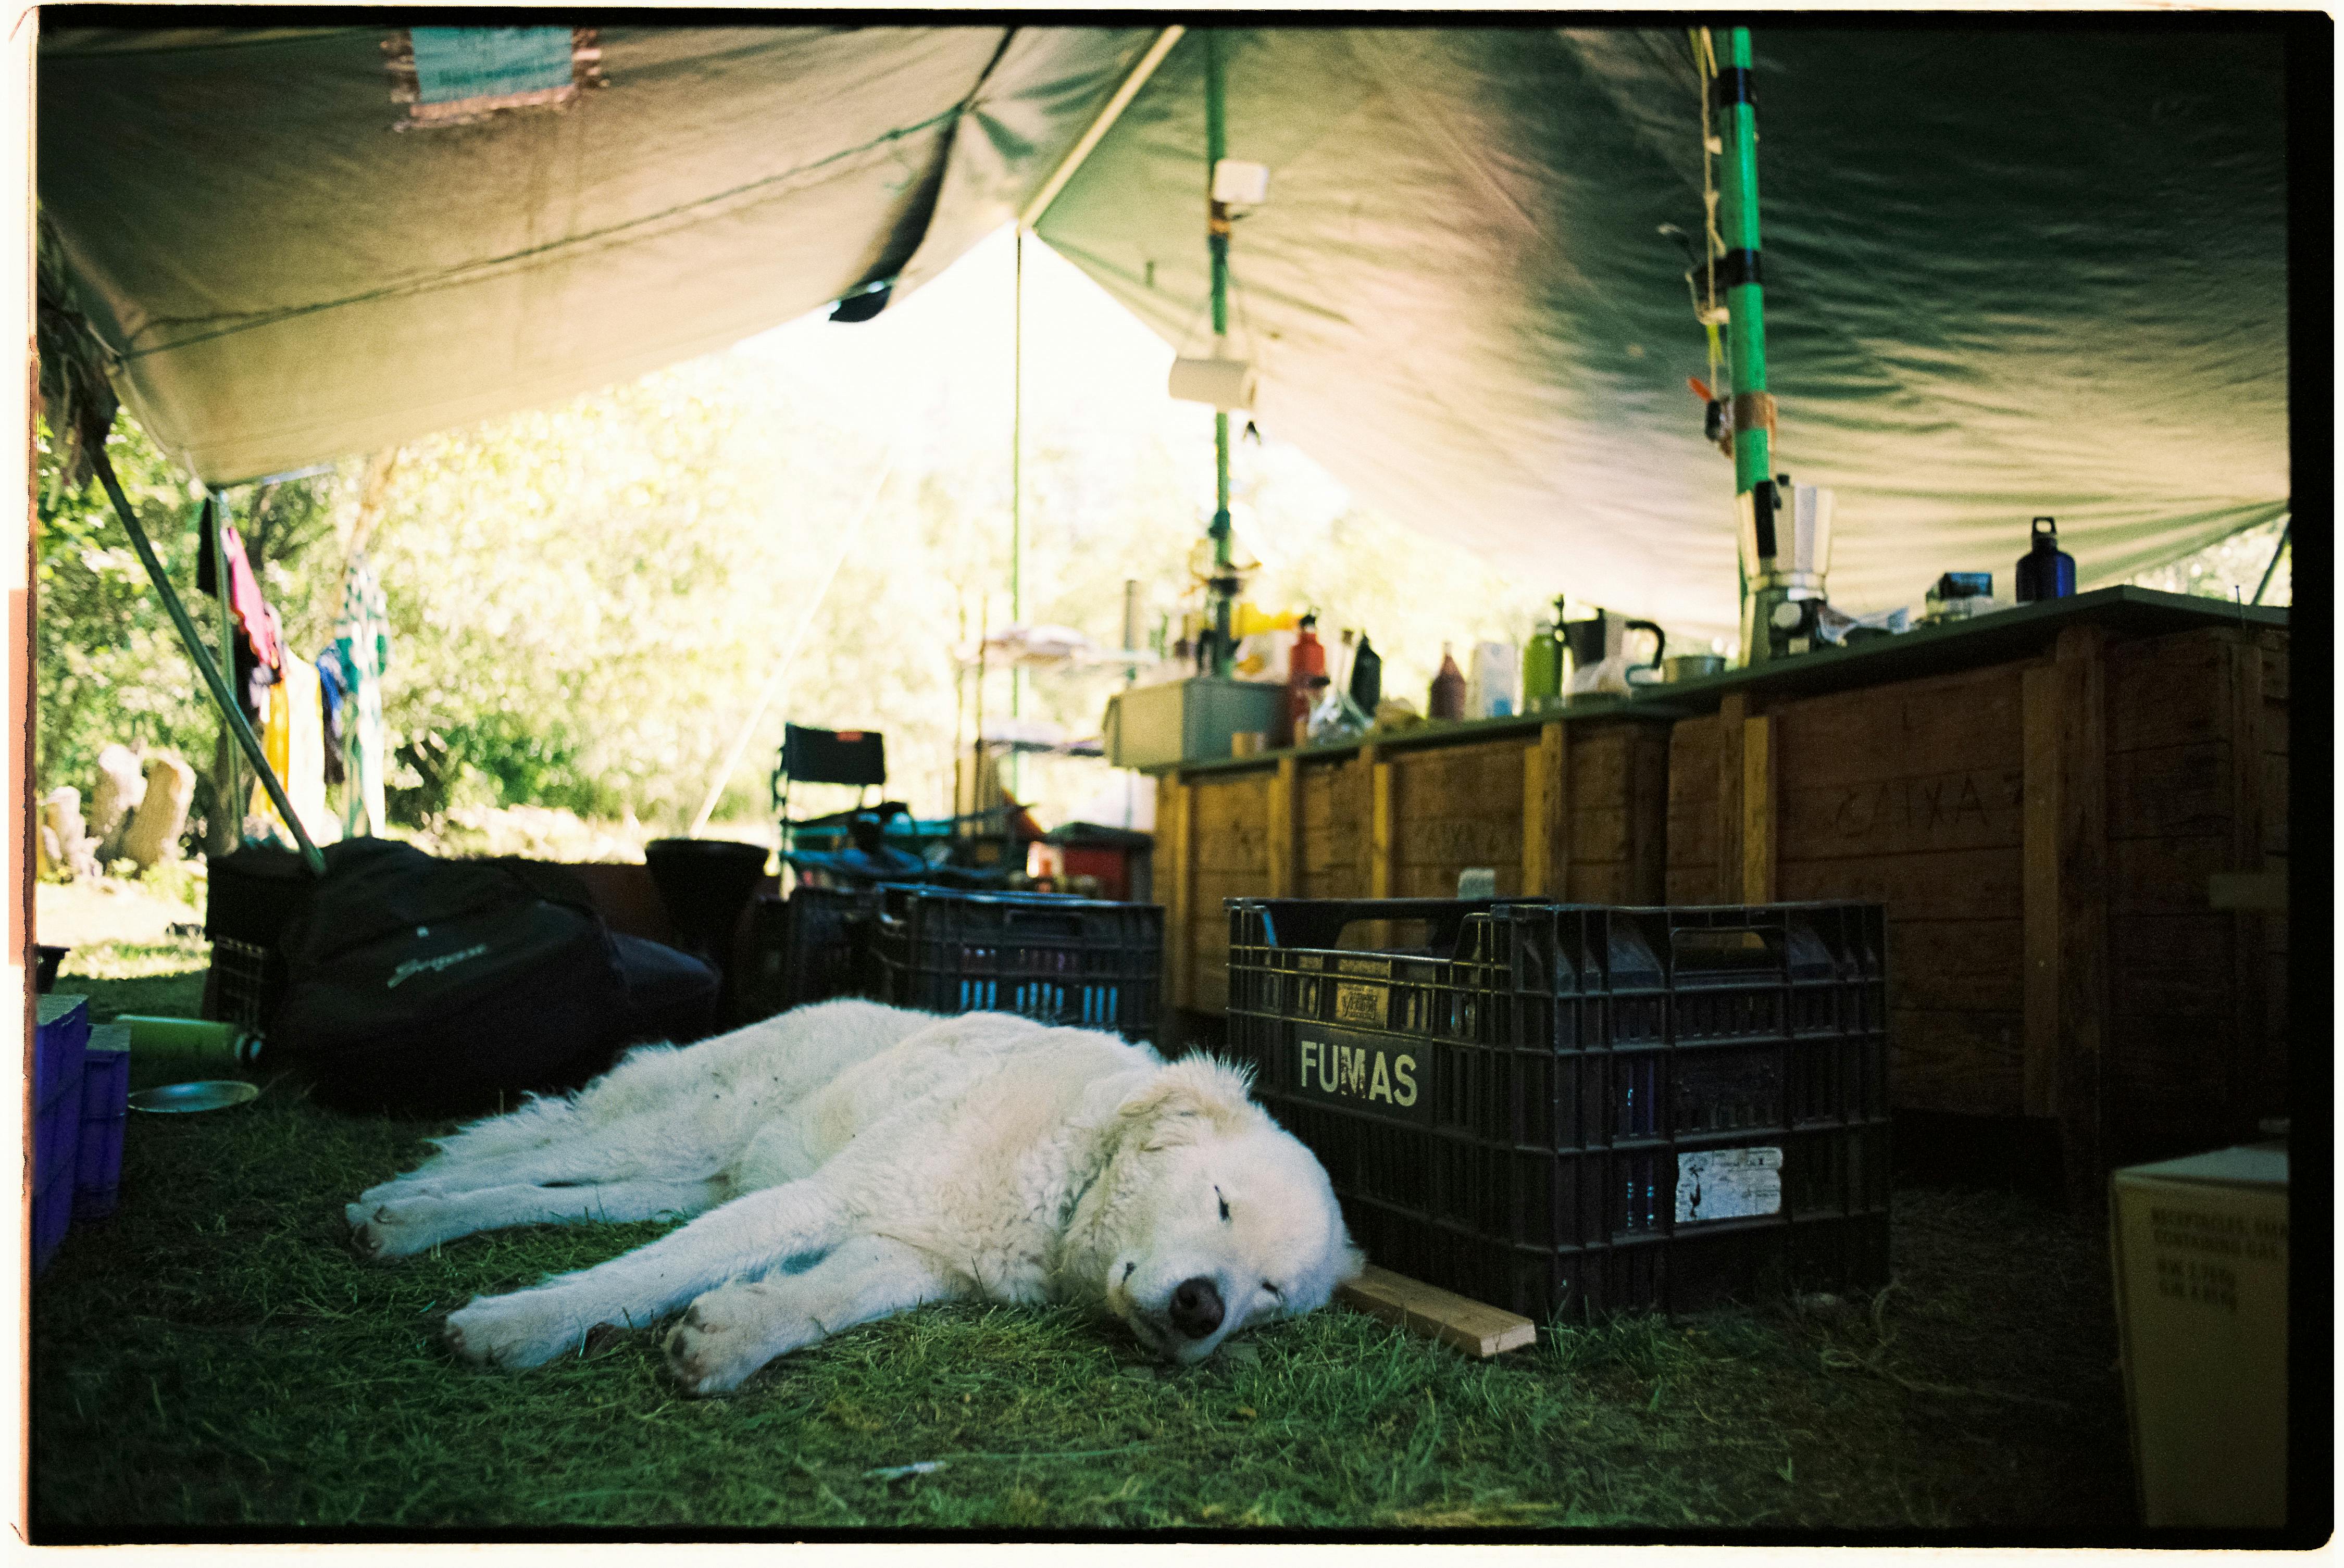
214, 1358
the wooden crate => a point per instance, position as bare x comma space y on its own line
1575, 808
2043, 831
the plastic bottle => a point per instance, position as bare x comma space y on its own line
2045, 571
1367, 677
1542, 665
1447, 698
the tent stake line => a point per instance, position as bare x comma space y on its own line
229, 708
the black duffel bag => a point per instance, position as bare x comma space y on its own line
422, 985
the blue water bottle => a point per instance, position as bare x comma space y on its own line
2045, 571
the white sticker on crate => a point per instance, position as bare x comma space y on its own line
1728, 1184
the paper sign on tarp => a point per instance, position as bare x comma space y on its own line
476, 68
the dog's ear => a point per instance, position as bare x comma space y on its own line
1193, 1097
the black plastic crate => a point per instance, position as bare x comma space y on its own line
809, 946
1085, 962
1550, 1107
246, 983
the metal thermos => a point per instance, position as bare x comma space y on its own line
1785, 531
2045, 571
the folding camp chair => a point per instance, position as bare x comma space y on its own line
857, 757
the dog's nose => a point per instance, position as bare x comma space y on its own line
1197, 1308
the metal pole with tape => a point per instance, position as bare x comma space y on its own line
1216, 238
228, 706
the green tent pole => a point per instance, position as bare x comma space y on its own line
1753, 411
1217, 233
202, 655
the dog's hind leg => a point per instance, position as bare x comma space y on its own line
409, 1224
644, 1118
745, 1237
734, 1330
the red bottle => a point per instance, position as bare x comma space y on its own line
1305, 664
1446, 700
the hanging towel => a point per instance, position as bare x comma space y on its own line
293, 738
252, 611
362, 639
333, 691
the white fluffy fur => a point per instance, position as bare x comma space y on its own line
921, 1159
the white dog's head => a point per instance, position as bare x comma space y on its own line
1213, 1216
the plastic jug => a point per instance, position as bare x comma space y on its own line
2045, 571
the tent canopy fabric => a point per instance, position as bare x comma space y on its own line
2010, 270
280, 277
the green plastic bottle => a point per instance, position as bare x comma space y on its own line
1542, 664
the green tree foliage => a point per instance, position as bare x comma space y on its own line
109, 664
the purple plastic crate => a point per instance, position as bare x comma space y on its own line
56, 1141
60, 1037
105, 1108
52, 1215
56, 1137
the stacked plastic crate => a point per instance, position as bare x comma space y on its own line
81, 1086
1090, 963
1550, 1107
1084, 963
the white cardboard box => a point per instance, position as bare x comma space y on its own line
2201, 1263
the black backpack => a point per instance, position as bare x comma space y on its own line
422, 985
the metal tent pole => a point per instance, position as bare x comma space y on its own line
228, 706
230, 783
1017, 502
1217, 233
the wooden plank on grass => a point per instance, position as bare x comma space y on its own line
1444, 1315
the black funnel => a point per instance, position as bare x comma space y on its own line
705, 883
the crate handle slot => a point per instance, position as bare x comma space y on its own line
1321, 922
1725, 950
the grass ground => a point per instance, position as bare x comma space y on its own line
212, 1360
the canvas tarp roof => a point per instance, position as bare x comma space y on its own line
2010, 271
286, 279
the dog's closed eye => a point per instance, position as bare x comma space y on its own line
1224, 1203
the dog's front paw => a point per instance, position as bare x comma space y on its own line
394, 1230
727, 1334
526, 1328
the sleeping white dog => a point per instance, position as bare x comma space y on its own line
921, 1158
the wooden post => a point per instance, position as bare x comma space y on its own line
1381, 844
1733, 712
2073, 708
1175, 876
2243, 1059
1546, 813
1758, 809
2040, 722
1285, 830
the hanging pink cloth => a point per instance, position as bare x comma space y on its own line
252, 611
